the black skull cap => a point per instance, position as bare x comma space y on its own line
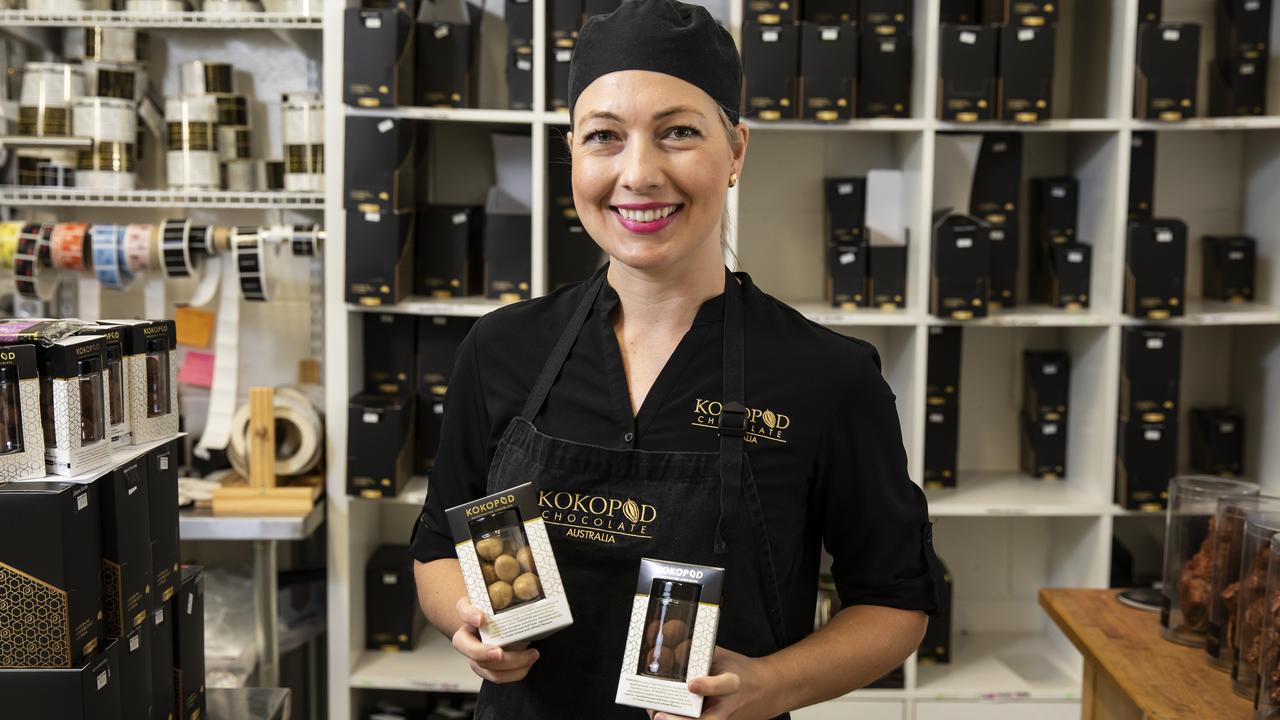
664, 36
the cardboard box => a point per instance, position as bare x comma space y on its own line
1142, 175
935, 647
448, 256
884, 75
21, 430
188, 644
126, 547
116, 384
89, 691
151, 373
847, 275
519, 17
1026, 72
887, 276
830, 12
1167, 71
1229, 266
162, 499
1044, 447
448, 35
1070, 268
389, 344
961, 264
997, 179
50, 555
379, 444
1025, 13
672, 634
1002, 281
384, 169
508, 257
1217, 441
380, 74
828, 71
509, 567
392, 619
163, 693
1238, 86
520, 76
960, 12
942, 368
1155, 269
1147, 458
967, 72
886, 17
770, 63
846, 202
559, 59
1150, 373
769, 12
1046, 387
941, 442
135, 672
379, 257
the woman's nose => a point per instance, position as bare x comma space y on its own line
641, 167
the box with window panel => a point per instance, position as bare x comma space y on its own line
21, 434
152, 378
508, 565
71, 400
116, 388
674, 619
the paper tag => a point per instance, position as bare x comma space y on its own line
134, 642
390, 578
191, 603
968, 38
131, 490
848, 257
844, 188
1025, 35
438, 408
935, 417
1172, 34
964, 242
769, 36
386, 125
373, 22
524, 65
442, 31
1152, 435
1049, 429
459, 218
102, 678
195, 326
1235, 255
888, 46
373, 217
1246, 68
369, 418
197, 369
164, 462
1075, 256
830, 34
564, 56
1164, 235
996, 234
82, 501
999, 146
1155, 343
1058, 192
1252, 5
1226, 427
159, 616
1049, 369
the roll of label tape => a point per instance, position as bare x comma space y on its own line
69, 246
249, 252
305, 240
32, 276
108, 256
175, 249
9, 233
140, 248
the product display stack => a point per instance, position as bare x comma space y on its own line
1060, 262
1167, 69
942, 407
995, 200
1046, 392
866, 241
1238, 71
996, 62
1156, 248
1147, 437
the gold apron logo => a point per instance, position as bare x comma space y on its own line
761, 424
595, 517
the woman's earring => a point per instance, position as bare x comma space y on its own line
733, 179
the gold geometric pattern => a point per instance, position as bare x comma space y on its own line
111, 601
35, 628
30, 462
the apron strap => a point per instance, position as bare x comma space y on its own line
551, 370
733, 412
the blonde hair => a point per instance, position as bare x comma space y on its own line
735, 145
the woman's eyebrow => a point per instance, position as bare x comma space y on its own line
601, 115
676, 111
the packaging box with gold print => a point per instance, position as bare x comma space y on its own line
126, 547
674, 618
151, 375
72, 395
508, 565
90, 691
115, 338
162, 499
21, 435
50, 574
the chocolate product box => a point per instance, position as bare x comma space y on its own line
392, 618
520, 75
846, 201
163, 693
162, 500
770, 65
378, 71
1142, 175
389, 342
1044, 447
884, 74
967, 72
997, 179
1167, 71
887, 276
935, 648
1229, 265
1025, 83
1150, 373
1146, 459
385, 172
379, 257
847, 274
89, 691
960, 268
1217, 441
448, 34
151, 376
448, 254
828, 71
21, 430
1046, 387
941, 442
1155, 269
379, 444
188, 644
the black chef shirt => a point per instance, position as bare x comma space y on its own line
823, 442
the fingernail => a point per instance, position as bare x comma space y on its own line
495, 654
536, 655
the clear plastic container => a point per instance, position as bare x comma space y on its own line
668, 629
506, 560
10, 411
115, 385
1267, 706
1228, 540
1251, 608
157, 377
1188, 565
93, 426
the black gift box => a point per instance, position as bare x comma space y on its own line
50, 555
448, 254
1229, 265
162, 499
887, 276
941, 442
935, 647
392, 619
1150, 367
1046, 386
188, 644
507, 256
384, 167
1146, 458
942, 368
770, 57
1168, 63
559, 58
885, 17
89, 691
1055, 204
135, 672
1026, 73
1044, 447
520, 76
997, 179
519, 17
847, 274
379, 257
1002, 280
163, 693
967, 72
448, 35
1142, 175
438, 342
846, 205
1155, 269
378, 68
126, 548
1238, 86
1242, 25
379, 452
389, 343
829, 12
961, 264
960, 12
884, 75
1217, 441
828, 71
1027, 13
1069, 270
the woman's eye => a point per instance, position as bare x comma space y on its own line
599, 136
683, 132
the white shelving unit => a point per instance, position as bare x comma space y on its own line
147, 20
1003, 535
18, 196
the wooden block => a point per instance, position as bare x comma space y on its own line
309, 371
262, 438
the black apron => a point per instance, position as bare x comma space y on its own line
605, 509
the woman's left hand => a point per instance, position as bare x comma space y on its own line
738, 688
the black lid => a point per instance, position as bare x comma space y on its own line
497, 521
673, 590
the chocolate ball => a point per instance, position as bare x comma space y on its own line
682, 653
506, 567
674, 632
525, 557
489, 548
527, 586
490, 577
650, 633
659, 660
500, 594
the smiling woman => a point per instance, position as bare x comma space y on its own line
669, 409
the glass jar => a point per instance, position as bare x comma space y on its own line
1259, 528
10, 411
1267, 706
1188, 566
115, 385
93, 426
668, 629
157, 377
1228, 540
506, 560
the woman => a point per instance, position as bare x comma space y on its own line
748, 435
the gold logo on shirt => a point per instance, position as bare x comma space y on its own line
762, 424
596, 517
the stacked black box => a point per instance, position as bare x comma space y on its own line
1060, 264
884, 71
967, 72
828, 71
564, 17
1147, 443
1046, 390
961, 266
89, 691
942, 406
847, 257
448, 36
163, 694
162, 498
392, 619
997, 182
1238, 74
378, 71
1217, 441
448, 257
1229, 265
438, 342
379, 432
1025, 82
935, 647
384, 168
126, 548
887, 276
1142, 175
388, 353
770, 56
519, 17
1155, 268
188, 645
135, 672
571, 254
1166, 71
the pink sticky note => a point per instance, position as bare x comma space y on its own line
197, 369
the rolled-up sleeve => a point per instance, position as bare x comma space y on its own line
874, 519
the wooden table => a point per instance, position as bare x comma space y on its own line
1130, 671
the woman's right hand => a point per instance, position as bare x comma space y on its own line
493, 663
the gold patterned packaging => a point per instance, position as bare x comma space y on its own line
116, 408
672, 635
21, 433
151, 376
508, 566
50, 574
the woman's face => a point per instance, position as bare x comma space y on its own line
651, 166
